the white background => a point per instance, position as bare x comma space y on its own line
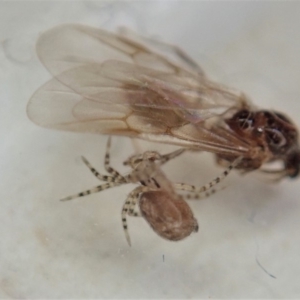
77, 249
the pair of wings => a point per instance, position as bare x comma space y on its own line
124, 85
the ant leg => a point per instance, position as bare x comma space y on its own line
187, 59
273, 176
96, 189
179, 53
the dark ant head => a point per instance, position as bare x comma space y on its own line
273, 133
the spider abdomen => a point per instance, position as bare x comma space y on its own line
170, 217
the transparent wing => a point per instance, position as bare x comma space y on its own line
67, 46
106, 83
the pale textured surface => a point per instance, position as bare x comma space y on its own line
77, 249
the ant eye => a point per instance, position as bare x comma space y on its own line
275, 138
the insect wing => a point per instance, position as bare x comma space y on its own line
67, 46
122, 94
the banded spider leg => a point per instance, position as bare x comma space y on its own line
207, 189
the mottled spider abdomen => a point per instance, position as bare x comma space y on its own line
171, 218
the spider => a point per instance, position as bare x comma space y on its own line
165, 210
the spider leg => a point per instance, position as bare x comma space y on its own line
203, 195
153, 156
208, 186
107, 165
166, 157
132, 208
132, 198
96, 189
100, 176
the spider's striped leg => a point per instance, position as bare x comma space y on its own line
132, 198
152, 156
203, 195
166, 157
96, 189
98, 175
115, 174
132, 211
208, 186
